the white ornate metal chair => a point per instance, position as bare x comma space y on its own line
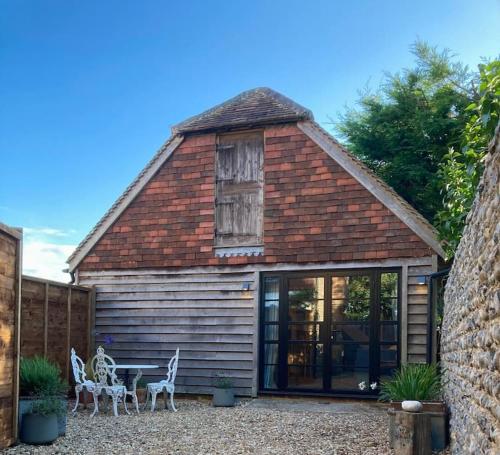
167, 386
81, 381
104, 367
133, 391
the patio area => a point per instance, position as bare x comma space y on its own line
262, 426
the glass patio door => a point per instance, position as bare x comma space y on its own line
329, 331
305, 322
351, 331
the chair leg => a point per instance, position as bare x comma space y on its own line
115, 405
136, 402
153, 399
147, 399
172, 401
125, 403
96, 403
77, 394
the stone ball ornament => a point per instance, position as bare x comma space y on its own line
411, 406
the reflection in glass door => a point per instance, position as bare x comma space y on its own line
350, 326
306, 308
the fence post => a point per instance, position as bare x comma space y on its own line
68, 333
17, 336
91, 323
46, 321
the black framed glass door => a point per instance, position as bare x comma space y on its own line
330, 332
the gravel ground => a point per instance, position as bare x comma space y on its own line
198, 428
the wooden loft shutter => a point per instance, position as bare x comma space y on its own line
239, 189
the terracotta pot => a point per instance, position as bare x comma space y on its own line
141, 395
85, 398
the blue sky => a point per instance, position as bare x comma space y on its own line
90, 89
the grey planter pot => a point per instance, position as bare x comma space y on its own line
26, 406
223, 397
39, 429
62, 419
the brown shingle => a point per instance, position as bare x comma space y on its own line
251, 108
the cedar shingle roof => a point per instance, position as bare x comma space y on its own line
254, 107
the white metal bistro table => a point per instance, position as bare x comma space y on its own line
128, 367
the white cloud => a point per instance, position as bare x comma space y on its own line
43, 256
46, 231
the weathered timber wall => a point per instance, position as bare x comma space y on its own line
10, 269
143, 316
470, 344
417, 313
46, 308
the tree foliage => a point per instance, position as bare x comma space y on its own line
405, 129
463, 166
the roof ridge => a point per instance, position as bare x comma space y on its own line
246, 108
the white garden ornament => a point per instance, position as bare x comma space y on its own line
167, 386
362, 386
411, 406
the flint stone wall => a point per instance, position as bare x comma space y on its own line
470, 343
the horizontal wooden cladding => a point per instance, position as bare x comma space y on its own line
173, 295
417, 313
174, 337
209, 316
153, 277
152, 320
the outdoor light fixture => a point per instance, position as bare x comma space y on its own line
421, 279
246, 286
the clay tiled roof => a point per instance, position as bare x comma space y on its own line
259, 106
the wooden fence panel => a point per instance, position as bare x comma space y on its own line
10, 272
55, 317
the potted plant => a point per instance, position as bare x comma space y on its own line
223, 392
40, 380
420, 383
141, 390
84, 394
40, 423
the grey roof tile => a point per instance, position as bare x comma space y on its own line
254, 107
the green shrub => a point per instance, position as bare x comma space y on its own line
223, 382
48, 405
40, 377
412, 382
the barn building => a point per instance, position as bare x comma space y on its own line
267, 252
